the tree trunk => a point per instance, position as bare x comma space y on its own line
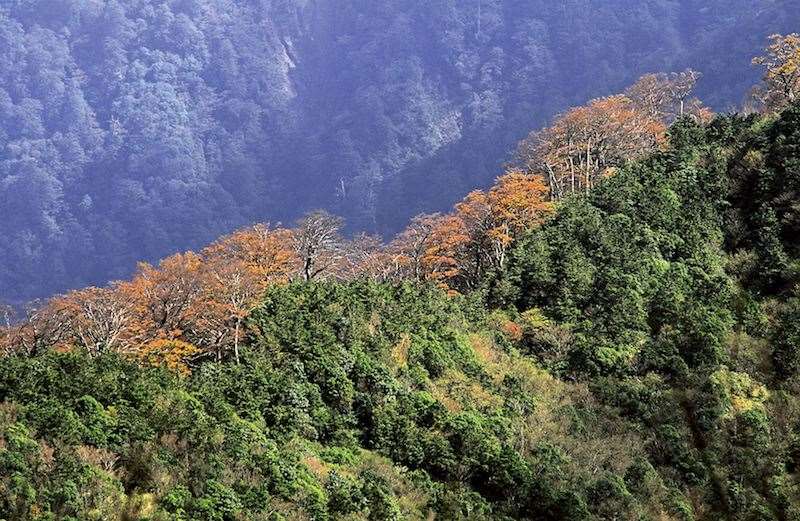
588, 165
307, 267
236, 339
572, 173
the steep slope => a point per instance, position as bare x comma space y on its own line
354, 401
674, 290
639, 358
131, 129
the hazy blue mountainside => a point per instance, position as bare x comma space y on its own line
133, 128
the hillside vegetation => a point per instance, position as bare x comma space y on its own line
629, 349
642, 363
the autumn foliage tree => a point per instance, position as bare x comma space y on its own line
586, 143
266, 253
194, 306
167, 298
782, 72
99, 319
318, 244
428, 248
93, 318
230, 293
190, 305
456, 250
493, 220
666, 97
238, 269
518, 203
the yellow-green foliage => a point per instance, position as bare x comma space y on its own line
737, 392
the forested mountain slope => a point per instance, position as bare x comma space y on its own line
130, 129
636, 356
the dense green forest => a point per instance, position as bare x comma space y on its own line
637, 357
131, 129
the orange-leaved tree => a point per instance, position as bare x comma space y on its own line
167, 300
238, 269
99, 319
428, 248
519, 203
493, 220
588, 142
267, 253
